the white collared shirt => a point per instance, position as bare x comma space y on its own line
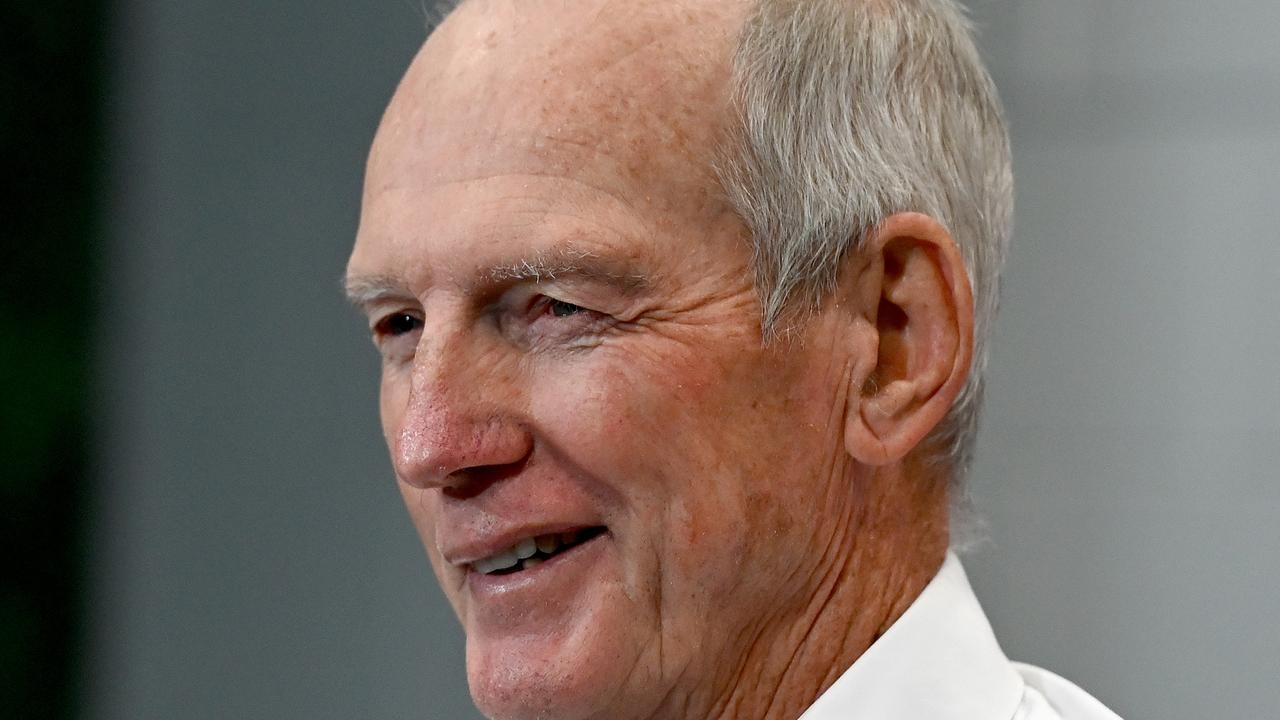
941, 661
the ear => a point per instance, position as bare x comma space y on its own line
916, 313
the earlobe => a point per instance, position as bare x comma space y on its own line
918, 304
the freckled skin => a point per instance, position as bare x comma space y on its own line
749, 559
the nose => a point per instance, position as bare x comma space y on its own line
458, 424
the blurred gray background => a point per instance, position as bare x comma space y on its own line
251, 558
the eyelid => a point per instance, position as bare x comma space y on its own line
542, 302
389, 341
377, 315
391, 317
526, 295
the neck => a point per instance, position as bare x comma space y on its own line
879, 562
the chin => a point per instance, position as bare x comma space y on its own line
531, 679
586, 659
562, 641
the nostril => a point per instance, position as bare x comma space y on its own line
472, 481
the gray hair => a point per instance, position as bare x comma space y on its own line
852, 111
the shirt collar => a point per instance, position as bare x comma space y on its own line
940, 660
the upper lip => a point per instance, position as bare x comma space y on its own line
461, 552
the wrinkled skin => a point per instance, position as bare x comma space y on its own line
749, 555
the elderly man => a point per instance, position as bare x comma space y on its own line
682, 308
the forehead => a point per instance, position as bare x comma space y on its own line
606, 77
595, 113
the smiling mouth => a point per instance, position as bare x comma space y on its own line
532, 552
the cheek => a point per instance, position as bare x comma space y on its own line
423, 507
630, 422
741, 463
393, 401
678, 439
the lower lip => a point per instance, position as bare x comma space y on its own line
561, 573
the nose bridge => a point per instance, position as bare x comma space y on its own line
462, 412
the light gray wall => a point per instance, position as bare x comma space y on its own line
1129, 460
251, 557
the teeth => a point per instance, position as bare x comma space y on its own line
501, 561
524, 551
526, 548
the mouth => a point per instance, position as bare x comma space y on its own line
533, 551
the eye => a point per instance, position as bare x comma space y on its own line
550, 318
396, 335
396, 324
560, 308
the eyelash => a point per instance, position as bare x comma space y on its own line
569, 318
563, 309
394, 325
554, 323
401, 323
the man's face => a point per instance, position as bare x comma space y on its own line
573, 364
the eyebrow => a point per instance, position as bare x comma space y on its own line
548, 266
364, 291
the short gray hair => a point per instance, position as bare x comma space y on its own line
851, 111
